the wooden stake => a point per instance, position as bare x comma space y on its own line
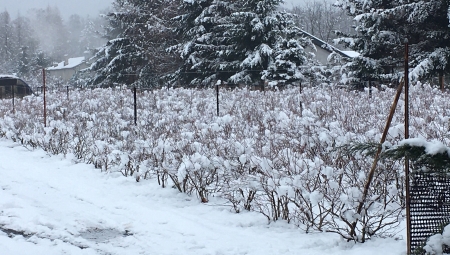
377, 155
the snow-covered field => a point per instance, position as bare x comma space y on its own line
275, 157
50, 205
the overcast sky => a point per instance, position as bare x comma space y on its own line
66, 7
69, 7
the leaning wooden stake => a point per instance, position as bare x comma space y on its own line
377, 155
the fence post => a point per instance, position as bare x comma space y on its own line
407, 197
217, 95
13, 95
135, 106
67, 87
45, 103
441, 81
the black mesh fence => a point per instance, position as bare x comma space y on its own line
429, 207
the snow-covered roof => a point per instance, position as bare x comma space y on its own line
72, 62
328, 47
350, 53
8, 76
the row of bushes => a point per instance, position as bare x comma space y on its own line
275, 152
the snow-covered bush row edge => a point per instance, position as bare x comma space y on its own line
274, 152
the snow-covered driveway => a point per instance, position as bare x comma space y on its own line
50, 205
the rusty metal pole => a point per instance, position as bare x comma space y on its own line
13, 95
407, 179
217, 97
45, 103
135, 106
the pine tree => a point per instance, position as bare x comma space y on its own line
6, 52
54, 40
138, 33
25, 46
291, 62
238, 42
382, 29
268, 43
206, 46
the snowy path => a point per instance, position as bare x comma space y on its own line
49, 205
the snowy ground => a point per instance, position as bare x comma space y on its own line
50, 205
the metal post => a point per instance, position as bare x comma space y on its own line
67, 87
45, 103
217, 97
407, 180
13, 95
135, 106
441, 81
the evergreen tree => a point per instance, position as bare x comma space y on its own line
40, 60
205, 47
26, 45
115, 63
24, 63
54, 40
138, 33
382, 29
239, 42
6, 51
290, 62
267, 42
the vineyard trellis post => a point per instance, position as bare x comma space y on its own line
135, 105
13, 95
407, 179
217, 96
45, 103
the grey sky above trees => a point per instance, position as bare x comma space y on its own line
66, 7
80, 7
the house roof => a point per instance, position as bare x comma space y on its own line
8, 76
328, 47
72, 62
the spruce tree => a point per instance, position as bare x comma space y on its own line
382, 28
6, 52
206, 46
267, 42
139, 32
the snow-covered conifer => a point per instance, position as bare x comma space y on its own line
383, 27
206, 48
267, 43
138, 34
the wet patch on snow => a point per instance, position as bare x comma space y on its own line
99, 235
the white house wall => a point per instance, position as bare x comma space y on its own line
65, 74
321, 55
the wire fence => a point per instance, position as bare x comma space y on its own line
429, 207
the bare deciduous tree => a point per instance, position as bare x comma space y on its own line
320, 18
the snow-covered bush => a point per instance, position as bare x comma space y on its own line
274, 152
435, 244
